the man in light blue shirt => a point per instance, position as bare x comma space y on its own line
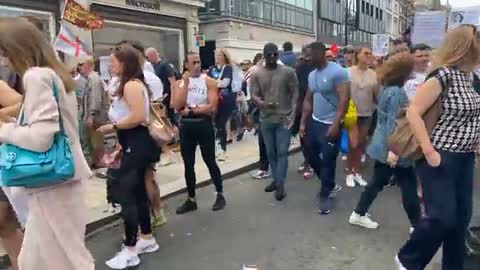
324, 108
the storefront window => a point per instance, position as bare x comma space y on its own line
168, 42
47, 19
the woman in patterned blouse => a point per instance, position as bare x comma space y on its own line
446, 172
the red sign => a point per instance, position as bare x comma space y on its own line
77, 15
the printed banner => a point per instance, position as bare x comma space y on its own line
458, 16
76, 14
69, 43
380, 44
429, 28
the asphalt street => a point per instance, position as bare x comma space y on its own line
287, 235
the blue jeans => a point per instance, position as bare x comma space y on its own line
447, 192
277, 141
322, 155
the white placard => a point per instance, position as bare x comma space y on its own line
380, 44
458, 16
429, 28
104, 67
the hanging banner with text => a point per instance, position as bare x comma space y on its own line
458, 16
429, 28
380, 44
76, 14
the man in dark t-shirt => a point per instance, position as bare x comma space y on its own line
166, 72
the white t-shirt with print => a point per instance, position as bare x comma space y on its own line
413, 83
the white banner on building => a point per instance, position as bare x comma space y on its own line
380, 44
429, 27
468, 15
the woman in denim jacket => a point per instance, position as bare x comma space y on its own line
392, 98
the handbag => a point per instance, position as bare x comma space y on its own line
24, 168
160, 128
402, 141
112, 155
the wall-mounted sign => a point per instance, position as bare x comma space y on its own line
146, 4
200, 40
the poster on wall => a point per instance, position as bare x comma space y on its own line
76, 14
105, 62
458, 16
429, 27
380, 44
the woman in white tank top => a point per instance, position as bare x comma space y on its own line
129, 114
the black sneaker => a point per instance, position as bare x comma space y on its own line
220, 203
280, 193
325, 206
187, 206
271, 188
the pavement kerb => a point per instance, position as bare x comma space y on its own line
100, 224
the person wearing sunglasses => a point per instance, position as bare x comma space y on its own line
275, 91
195, 97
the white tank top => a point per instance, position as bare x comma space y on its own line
197, 91
119, 108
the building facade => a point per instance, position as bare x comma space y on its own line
245, 26
168, 25
363, 17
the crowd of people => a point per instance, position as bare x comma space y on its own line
316, 95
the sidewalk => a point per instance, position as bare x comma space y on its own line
241, 156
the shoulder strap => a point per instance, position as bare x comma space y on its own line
325, 97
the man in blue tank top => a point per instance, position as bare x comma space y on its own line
326, 102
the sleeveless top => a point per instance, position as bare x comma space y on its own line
197, 91
119, 108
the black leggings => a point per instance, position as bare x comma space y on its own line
225, 112
407, 181
193, 132
129, 190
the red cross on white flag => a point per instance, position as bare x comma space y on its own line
69, 43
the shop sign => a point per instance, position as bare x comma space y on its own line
200, 40
147, 4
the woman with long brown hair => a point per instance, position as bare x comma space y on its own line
128, 114
363, 88
56, 213
447, 169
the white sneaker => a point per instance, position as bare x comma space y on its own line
399, 264
146, 245
359, 179
222, 156
123, 259
259, 174
364, 221
351, 180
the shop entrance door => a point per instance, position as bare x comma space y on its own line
207, 54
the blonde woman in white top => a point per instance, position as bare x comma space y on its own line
363, 88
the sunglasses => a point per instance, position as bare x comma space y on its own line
272, 54
196, 62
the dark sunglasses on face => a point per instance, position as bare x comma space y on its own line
272, 54
196, 62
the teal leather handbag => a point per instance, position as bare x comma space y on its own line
24, 168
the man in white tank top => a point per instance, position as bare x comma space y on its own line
196, 97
